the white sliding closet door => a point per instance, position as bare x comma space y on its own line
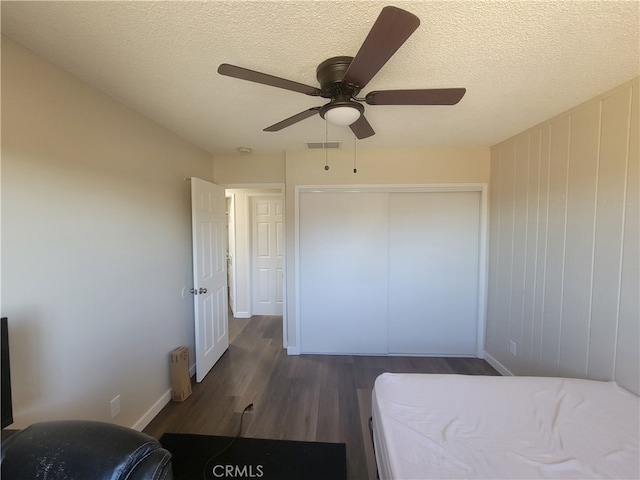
433, 272
343, 272
389, 272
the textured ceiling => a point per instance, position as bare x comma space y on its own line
521, 62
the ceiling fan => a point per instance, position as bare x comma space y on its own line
342, 78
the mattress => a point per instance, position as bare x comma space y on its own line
460, 426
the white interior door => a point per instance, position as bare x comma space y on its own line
433, 272
267, 254
209, 231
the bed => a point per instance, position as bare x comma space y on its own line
464, 426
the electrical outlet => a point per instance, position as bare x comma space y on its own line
512, 347
115, 406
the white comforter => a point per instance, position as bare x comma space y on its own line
458, 426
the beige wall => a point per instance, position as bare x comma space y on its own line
248, 168
388, 166
375, 167
96, 247
564, 245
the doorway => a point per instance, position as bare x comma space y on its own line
256, 250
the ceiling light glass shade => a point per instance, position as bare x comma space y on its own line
342, 116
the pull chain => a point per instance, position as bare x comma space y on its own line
326, 140
355, 155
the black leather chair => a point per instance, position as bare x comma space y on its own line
83, 450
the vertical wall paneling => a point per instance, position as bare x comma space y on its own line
494, 247
531, 257
628, 348
520, 220
582, 176
556, 224
564, 244
504, 284
541, 260
607, 258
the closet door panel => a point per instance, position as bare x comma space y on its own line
343, 245
433, 272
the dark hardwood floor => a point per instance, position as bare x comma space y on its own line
308, 397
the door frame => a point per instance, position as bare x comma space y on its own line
231, 247
483, 272
281, 188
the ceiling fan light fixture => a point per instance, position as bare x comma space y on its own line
342, 114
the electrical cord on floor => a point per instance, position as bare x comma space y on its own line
206, 465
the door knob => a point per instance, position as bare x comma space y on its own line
202, 290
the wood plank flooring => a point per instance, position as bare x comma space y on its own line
308, 397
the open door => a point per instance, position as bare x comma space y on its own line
209, 220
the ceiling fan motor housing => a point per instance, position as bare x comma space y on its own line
330, 74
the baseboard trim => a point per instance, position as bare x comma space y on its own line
504, 371
293, 351
153, 411
159, 405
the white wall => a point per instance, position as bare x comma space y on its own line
564, 245
95, 246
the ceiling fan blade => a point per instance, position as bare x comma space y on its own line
433, 96
361, 128
392, 28
265, 79
291, 120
